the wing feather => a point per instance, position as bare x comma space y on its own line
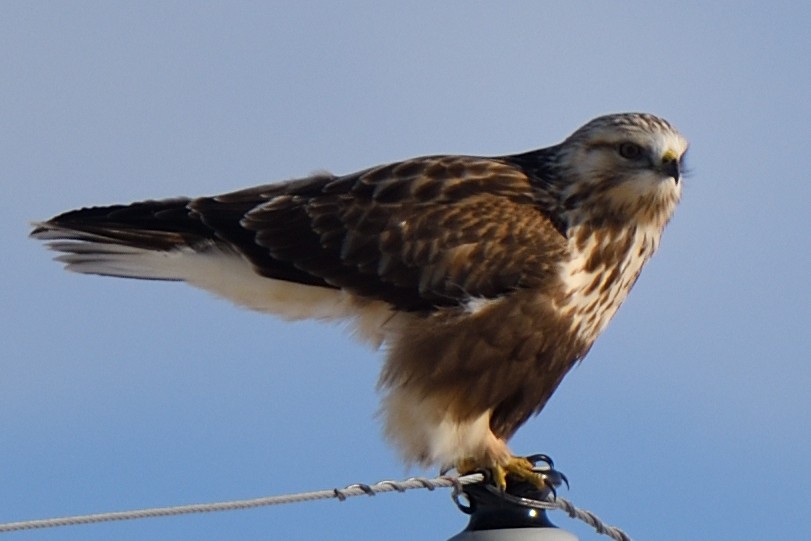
419, 235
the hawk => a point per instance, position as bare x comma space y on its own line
486, 278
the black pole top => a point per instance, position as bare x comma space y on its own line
521, 505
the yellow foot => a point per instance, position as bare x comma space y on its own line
516, 470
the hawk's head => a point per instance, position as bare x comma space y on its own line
622, 167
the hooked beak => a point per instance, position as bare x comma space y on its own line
670, 166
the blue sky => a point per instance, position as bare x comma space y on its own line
690, 418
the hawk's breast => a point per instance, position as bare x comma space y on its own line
604, 264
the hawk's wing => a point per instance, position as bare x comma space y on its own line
418, 234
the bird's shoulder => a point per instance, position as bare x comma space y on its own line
425, 179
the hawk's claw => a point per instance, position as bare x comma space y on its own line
540, 457
553, 476
519, 474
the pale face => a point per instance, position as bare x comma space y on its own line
628, 166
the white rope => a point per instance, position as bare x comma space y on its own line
357, 489
591, 519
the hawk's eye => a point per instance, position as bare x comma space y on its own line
630, 151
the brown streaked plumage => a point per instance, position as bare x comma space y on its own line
486, 278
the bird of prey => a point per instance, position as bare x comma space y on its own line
485, 278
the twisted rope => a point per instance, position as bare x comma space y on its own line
340, 494
591, 519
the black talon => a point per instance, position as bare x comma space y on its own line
554, 477
551, 476
541, 458
552, 491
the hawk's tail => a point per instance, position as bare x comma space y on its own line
144, 240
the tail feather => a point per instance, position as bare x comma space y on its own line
171, 241
146, 240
